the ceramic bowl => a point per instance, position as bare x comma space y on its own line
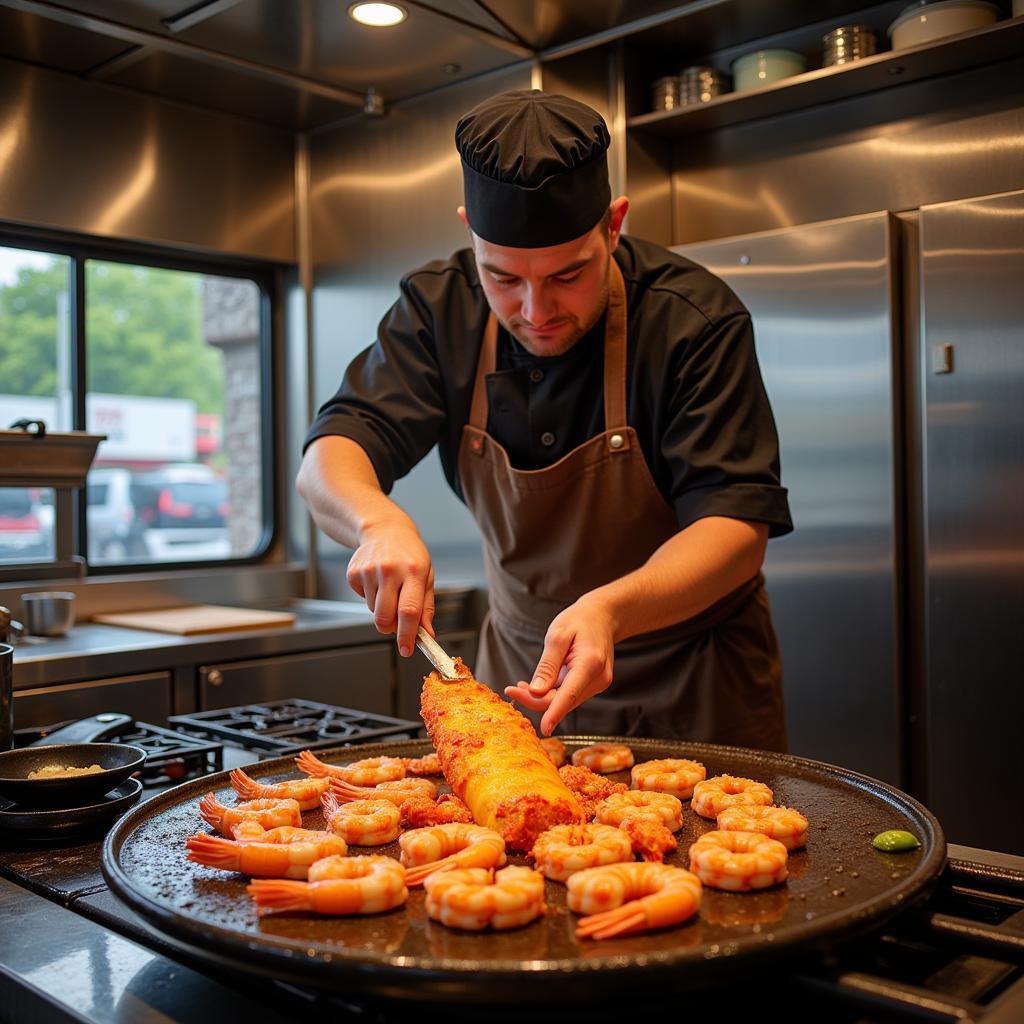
924, 22
762, 67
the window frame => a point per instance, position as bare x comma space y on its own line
266, 277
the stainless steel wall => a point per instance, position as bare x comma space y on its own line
87, 157
383, 196
928, 142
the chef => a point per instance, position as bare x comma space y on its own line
598, 406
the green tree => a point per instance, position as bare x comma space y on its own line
143, 333
28, 328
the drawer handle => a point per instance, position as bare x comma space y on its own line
214, 677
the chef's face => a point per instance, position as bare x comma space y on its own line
548, 298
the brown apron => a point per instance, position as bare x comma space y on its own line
553, 534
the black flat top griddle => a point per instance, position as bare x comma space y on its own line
839, 886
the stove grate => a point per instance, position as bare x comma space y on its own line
170, 756
278, 727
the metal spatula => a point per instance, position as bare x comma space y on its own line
435, 654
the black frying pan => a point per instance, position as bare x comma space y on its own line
117, 761
838, 887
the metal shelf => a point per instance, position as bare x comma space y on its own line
1002, 41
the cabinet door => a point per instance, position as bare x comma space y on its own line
147, 698
411, 670
353, 677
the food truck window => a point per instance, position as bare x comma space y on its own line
171, 364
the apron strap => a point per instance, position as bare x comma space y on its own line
485, 365
615, 352
614, 360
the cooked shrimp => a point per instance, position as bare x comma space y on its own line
368, 772
712, 796
604, 757
621, 899
782, 823
442, 847
268, 813
589, 787
337, 885
738, 861
279, 853
362, 822
429, 764
419, 812
636, 803
555, 749
254, 832
307, 791
397, 792
565, 849
674, 775
648, 837
473, 898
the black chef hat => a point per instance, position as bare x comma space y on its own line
535, 168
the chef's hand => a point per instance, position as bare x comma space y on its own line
391, 568
576, 663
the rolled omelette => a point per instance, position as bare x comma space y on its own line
493, 760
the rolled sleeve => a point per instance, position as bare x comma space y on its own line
720, 440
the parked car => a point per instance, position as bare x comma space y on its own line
115, 529
183, 509
23, 534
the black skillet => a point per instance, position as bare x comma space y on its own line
72, 746
117, 761
838, 887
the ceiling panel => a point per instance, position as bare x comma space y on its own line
547, 23
317, 39
145, 14
47, 43
178, 78
478, 12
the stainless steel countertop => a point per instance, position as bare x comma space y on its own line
94, 651
56, 965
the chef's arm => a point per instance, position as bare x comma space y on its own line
391, 567
687, 574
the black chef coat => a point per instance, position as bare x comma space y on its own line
694, 390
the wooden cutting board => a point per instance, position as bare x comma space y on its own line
197, 618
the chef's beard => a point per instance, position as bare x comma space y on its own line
559, 343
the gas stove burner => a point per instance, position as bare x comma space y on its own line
276, 727
170, 756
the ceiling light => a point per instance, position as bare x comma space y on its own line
378, 15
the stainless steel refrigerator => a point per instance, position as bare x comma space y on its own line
893, 354
821, 297
971, 373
